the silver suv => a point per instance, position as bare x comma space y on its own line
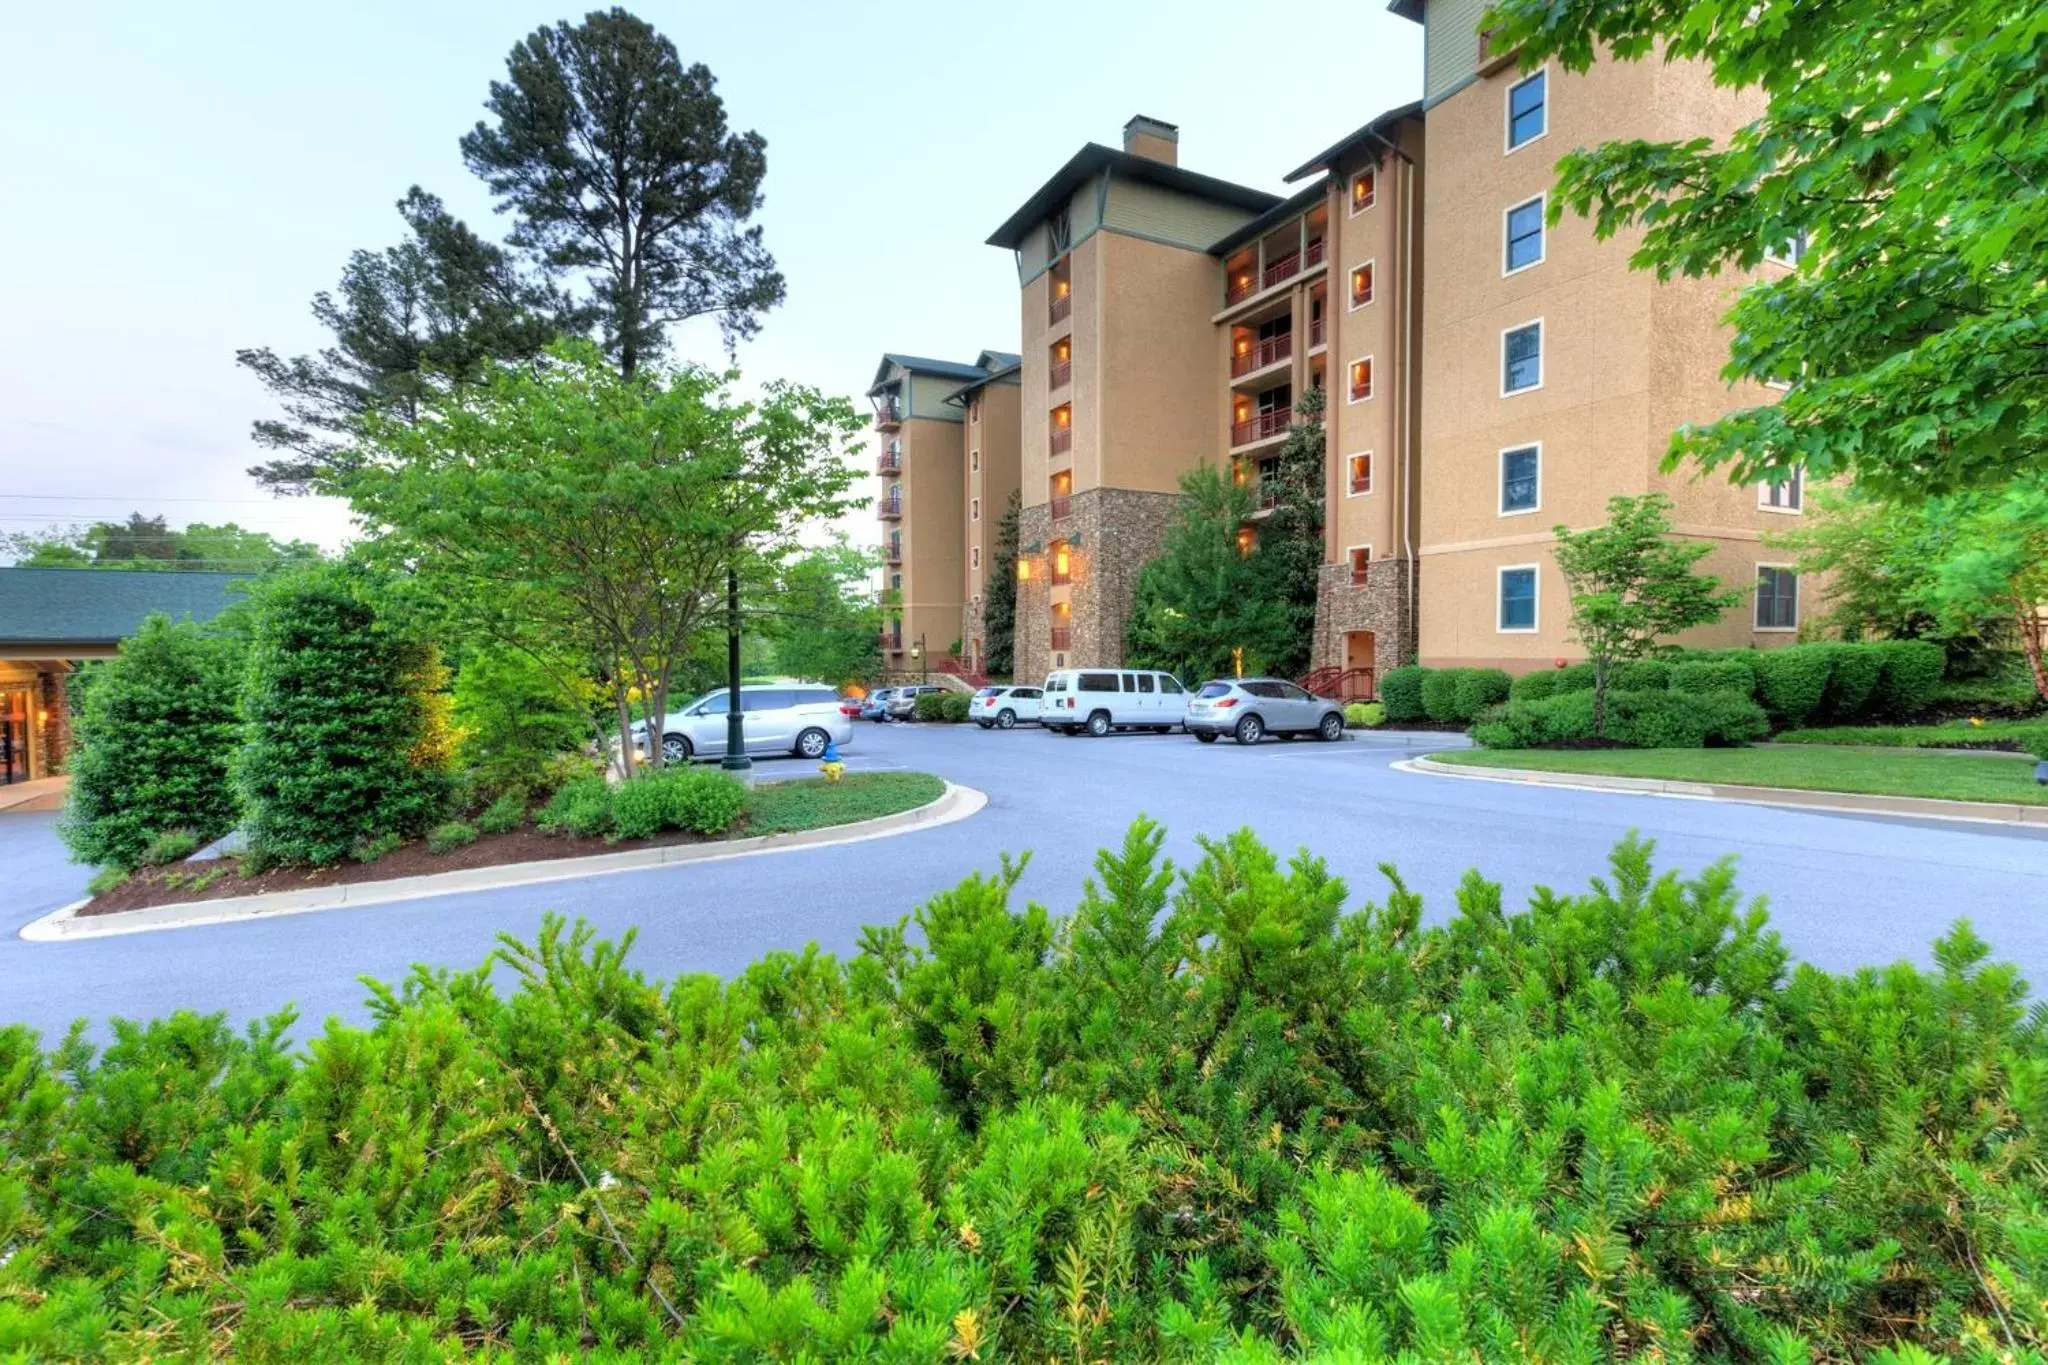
778, 718
1249, 709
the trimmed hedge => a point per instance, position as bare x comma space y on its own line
1792, 682
1456, 696
1365, 715
1646, 720
1909, 677
1401, 693
702, 800
956, 707
1535, 686
1714, 675
1852, 678
1225, 1116
929, 706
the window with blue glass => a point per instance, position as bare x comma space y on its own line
1521, 358
1525, 234
1518, 598
1528, 110
1520, 478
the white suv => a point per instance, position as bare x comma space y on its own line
1099, 700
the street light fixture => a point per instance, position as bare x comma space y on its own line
736, 760
917, 652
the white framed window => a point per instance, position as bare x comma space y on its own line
1528, 116
1359, 558
1516, 593
1364, 190
1521, 479
1521, 358
974, 509
1522, 245
1777, 597
1783, 495
974, 462
1361, 284
1360, 385
1789, 253
976, 555
1358, 474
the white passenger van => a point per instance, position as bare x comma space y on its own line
1099, 700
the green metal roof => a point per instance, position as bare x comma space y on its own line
1375, 131
102, 606
1094, 158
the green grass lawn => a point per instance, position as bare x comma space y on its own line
1906, 772
1955, 734
813, 803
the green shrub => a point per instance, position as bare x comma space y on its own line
1576, 678
348, 735
581, 807
1909, 677
1228, 1115
172, 846
639, 808
1365, 715
152, 749
1647, 720
1713, 675
956, 706
450, 835
1535, 686
1401, 693
105, 880
1641, 675
705, 801
1791, 682
1478, 688
365, 850
1853, 671
514, 715
503, 815
1440, 696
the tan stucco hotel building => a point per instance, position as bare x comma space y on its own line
1485, 375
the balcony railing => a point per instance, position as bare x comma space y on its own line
892, 553
1313, 255
1233, 290
890, 508
892, 643
1062, 637
1062, 304
1286, 267
1061, 504
1269, 495
888, 414
1271, 351
1059, 375
1361, 572
1260, 427
1316, 332
889, 462
1062, 440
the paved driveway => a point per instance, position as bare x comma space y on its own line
1844, 891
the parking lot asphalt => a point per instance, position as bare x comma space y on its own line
1844, 891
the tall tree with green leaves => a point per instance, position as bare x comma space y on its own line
1905, 143
824, 621
616, 162
1633, 586
146, 542
562, 506
999, 607
406, 322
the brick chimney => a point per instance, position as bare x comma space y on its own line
1150, 137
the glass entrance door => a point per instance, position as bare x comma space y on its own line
14, 736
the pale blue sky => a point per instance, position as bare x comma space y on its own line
180, 179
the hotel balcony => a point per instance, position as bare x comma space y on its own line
892, 554
890, 508
1261, 355
1062, 305
888, 413
892, 644
1295, 248
1260, 426
1060, 375
1318, 332
1060, 505
1062, 637
1062, 440
889, 462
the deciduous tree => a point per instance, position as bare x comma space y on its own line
143, 542
1632, 585
1906, 144
616, 161
824, 621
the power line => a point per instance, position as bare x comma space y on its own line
135, 498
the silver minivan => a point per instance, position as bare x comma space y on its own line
778, 718
1099, 700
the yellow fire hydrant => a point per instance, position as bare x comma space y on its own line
833, 768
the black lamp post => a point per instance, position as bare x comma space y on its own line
736, 760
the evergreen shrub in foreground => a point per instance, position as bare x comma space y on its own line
1208, 1117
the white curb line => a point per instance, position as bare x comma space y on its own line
1838, 803
65, 925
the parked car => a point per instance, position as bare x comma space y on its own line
777, 718
876, 705
1001, 708
903, 701
1099, 700
1249, 709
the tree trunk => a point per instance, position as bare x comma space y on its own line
625, 709
2028, 616
1600, 698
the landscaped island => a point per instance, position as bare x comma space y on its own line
1896, 772
1224, 1115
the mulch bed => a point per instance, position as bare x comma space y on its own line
147, 886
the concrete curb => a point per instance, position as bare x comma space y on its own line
64, 925
1848, 803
